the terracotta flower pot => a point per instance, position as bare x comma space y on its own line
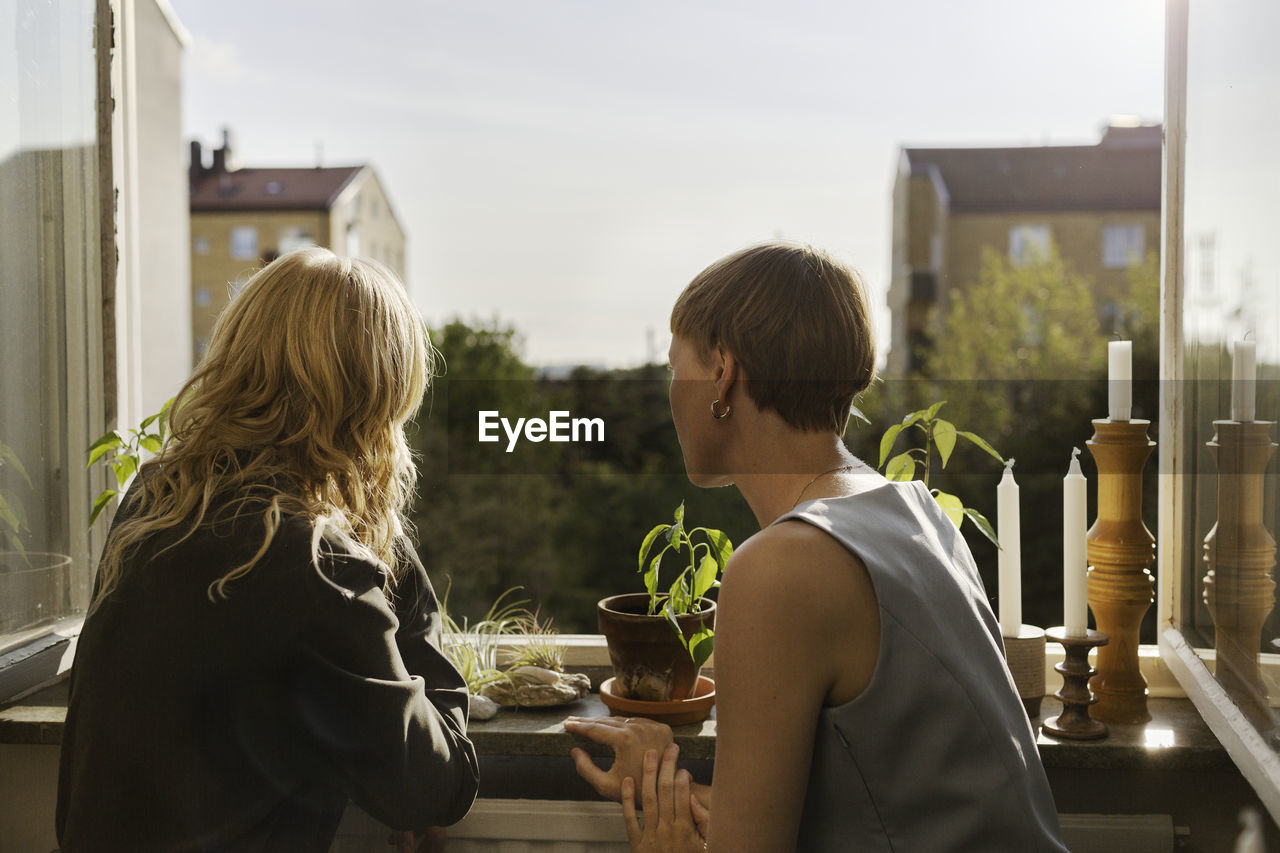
649, 662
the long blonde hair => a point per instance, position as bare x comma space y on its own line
297, 410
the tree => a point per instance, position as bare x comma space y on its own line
1021, 356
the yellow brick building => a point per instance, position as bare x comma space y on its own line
1098, 204
242, 218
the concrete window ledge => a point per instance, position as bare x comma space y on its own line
1143, 784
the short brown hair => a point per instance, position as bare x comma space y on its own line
798, 322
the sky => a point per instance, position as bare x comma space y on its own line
568, 166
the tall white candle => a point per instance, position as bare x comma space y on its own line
1119, 380
1243, 389
1010, 571
1075, 566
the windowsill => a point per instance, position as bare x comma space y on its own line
1175, 739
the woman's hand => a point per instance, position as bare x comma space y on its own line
667, 801
629, 738
431, 840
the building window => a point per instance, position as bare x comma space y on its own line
203, 297
244, 243
200, 245
293, 238
1123, 246
353, 241
1028, 244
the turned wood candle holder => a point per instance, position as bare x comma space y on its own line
1074, 723
1239, 589
1120, 587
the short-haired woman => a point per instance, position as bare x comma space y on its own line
262, 645
862, 699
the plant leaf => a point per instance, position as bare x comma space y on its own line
704, 577
148, 421
701, 645
124, 466
911, 417
16, 544
675, 626
944, 435
100, 503
8, 516
110, 439
648, 542
985, 526
97, 453
150, 442
901, 468
951, 505
720, 545
981, 442
933, 410
7, 455
679, 514
887, 440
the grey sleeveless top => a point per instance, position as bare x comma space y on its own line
937, 752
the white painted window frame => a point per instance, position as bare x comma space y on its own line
1257, 762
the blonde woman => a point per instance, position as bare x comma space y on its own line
262, 644
862, 699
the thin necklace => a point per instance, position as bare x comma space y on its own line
817, 478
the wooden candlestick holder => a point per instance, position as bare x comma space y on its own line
1239, 589
1074, 723
1120, 587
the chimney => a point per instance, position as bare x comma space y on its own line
196, 169
224, 158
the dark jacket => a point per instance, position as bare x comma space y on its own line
247, 724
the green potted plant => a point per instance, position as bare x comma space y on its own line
658, 640
125, 452
941, 435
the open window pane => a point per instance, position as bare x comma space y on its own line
49, 264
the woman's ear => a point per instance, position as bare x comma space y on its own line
727, 370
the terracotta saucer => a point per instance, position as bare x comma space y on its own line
677, 712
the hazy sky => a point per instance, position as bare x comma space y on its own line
569, 166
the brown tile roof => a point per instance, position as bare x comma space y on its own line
271, 189
1123, 172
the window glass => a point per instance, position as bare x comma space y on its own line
1028, 244
1231, 266
244, 243
49, 262
1122, 246
294, 238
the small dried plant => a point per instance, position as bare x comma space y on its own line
474, 648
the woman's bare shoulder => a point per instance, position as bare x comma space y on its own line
793, 549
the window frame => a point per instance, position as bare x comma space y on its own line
37, 657
1257, 762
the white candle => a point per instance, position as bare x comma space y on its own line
1010, 572
1075, 567
1119, 380
1243, 389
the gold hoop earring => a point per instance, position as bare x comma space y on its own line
722, 415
